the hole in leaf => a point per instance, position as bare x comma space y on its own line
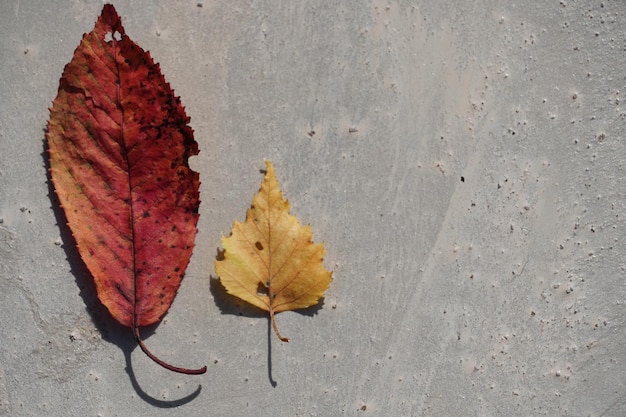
262, 290
108, 37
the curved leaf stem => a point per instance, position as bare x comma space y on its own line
283, 339
165, 364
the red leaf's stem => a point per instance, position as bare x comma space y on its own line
135, 327
132, 216
165, 364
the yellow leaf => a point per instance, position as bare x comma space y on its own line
270, 261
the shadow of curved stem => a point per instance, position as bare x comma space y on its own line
149, 399
269, 353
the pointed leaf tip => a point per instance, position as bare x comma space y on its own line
109, 17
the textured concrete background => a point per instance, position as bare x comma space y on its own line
465, 163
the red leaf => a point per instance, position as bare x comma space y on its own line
119, 145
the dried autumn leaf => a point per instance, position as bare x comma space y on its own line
270, 260
119, 145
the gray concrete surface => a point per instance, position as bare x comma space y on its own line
464, 162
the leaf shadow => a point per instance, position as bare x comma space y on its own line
232, 305
151, 400
110, 329
229, 304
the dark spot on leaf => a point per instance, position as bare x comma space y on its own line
176, 269
258, 245
261, 290
162, 136
121, 291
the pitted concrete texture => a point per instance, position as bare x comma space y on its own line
462, 161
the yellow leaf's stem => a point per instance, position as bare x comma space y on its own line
165, 364
283, 339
